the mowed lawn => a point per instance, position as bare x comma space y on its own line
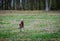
36, 26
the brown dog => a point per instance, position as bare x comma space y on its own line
21, 25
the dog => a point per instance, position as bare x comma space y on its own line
21, 25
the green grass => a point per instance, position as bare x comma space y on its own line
5, 34
35, 26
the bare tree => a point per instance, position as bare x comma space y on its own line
47, 7
21, 6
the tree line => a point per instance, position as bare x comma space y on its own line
29, 4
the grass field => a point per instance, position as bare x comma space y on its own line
37, 26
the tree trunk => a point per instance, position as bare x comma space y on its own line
47, 7
12, 4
